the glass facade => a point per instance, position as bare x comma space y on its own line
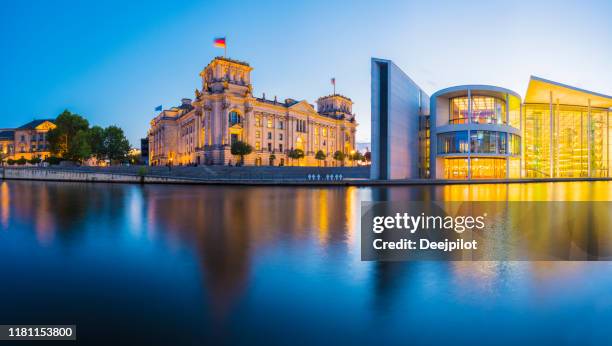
480, 142
481, 167
485, 110
572, 143
453, 142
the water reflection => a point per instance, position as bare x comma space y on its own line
232, 261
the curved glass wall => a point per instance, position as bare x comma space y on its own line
453, 142
482, 168
483, 142
485, 110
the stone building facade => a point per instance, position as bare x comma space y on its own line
28, 141
201, 131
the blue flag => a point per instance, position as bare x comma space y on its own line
158, 108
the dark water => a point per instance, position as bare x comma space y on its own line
184, 265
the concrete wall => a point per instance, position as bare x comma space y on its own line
395, 150
66, 175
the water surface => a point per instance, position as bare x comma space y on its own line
188, 265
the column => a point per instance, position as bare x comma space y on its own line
589, 139
469, 133
550, 150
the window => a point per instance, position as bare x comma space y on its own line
280, 136
270, 123
257, 145
234, 118
324, 132
280, 147
269, 135
269, 146
485, 110
257, 134
280, 125
258, 121
453, 142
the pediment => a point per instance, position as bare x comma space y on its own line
303, 106
46, 125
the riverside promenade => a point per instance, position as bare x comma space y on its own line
226, 175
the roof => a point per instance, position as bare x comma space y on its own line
34, 123
7, 134
539, 91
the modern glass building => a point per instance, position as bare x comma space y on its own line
475, 133
487, 132
566, 131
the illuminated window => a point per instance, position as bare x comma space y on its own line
485, 110
270, 123
257, 145
258, 121
257, 134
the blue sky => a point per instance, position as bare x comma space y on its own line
114, 61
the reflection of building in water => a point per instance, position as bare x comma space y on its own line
227, 226
5, 204
225, 111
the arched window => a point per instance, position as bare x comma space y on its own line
234, 118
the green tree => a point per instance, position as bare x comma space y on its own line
242, 149
69, 138
96, 142
22, 161
367, 157
296, 154
80, 149
339, 156
355, 156
320, 156
116, 145
272, 158
34, 160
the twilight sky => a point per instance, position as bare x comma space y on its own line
114, 61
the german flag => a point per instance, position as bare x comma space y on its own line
219, 42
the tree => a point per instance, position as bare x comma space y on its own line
272, 158
116, 145
69, 138
339, 156
22, 161
3, 157
241, 148
356, 156
320, 156
296, 154
367, 157
34, 160
96, 142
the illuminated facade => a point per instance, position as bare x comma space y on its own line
476, 131
487, 132
566, 131
201, 131
28, 141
